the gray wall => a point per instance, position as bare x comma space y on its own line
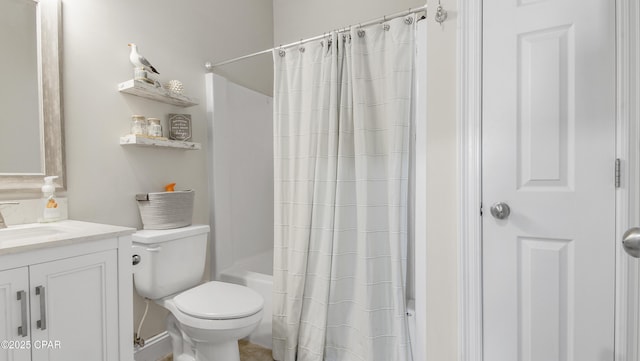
299, 19
177, 37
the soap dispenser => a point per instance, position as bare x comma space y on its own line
50, 210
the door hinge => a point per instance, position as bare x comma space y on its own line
617, 175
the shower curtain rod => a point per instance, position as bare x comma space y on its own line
440, 17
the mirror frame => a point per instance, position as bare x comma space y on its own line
52, 137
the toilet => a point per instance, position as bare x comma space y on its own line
205, 320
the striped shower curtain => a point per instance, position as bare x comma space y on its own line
342, 114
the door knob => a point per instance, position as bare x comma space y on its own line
500, 210
631, 241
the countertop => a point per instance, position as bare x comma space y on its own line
27, 237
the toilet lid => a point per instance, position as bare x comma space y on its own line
219, 301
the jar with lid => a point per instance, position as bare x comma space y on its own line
154, 128
138, 125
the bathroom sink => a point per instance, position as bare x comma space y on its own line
19, 232
27, 231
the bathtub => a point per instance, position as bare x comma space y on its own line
255, 272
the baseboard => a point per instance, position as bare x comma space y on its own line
154, 349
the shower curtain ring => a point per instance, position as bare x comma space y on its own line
385, 26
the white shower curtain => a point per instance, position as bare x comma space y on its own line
341, 139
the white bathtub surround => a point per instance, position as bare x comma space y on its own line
241, 172
342, 115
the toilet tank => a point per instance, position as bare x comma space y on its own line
171, 260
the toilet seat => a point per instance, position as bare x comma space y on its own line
219, 301
191, 322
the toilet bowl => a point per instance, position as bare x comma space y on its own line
206, 320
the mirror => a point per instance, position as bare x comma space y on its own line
31, 137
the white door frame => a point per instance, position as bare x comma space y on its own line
627, 196
469, 136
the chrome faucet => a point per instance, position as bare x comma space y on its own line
2, 222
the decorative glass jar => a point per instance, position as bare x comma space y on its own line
154, 128
138, 125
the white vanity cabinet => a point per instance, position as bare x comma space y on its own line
68, 300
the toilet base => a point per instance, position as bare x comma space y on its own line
227, 351
186, 349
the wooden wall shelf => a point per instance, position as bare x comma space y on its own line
149, 91
136, 140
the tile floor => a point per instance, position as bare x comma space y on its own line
253, 352
248, 352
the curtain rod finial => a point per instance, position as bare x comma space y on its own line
441, 14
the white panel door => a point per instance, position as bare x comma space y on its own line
549, 153
80, 299
15, 341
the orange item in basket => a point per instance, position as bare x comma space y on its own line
170, 187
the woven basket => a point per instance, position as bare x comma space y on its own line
166, 210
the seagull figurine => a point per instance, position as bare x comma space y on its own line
140, 61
